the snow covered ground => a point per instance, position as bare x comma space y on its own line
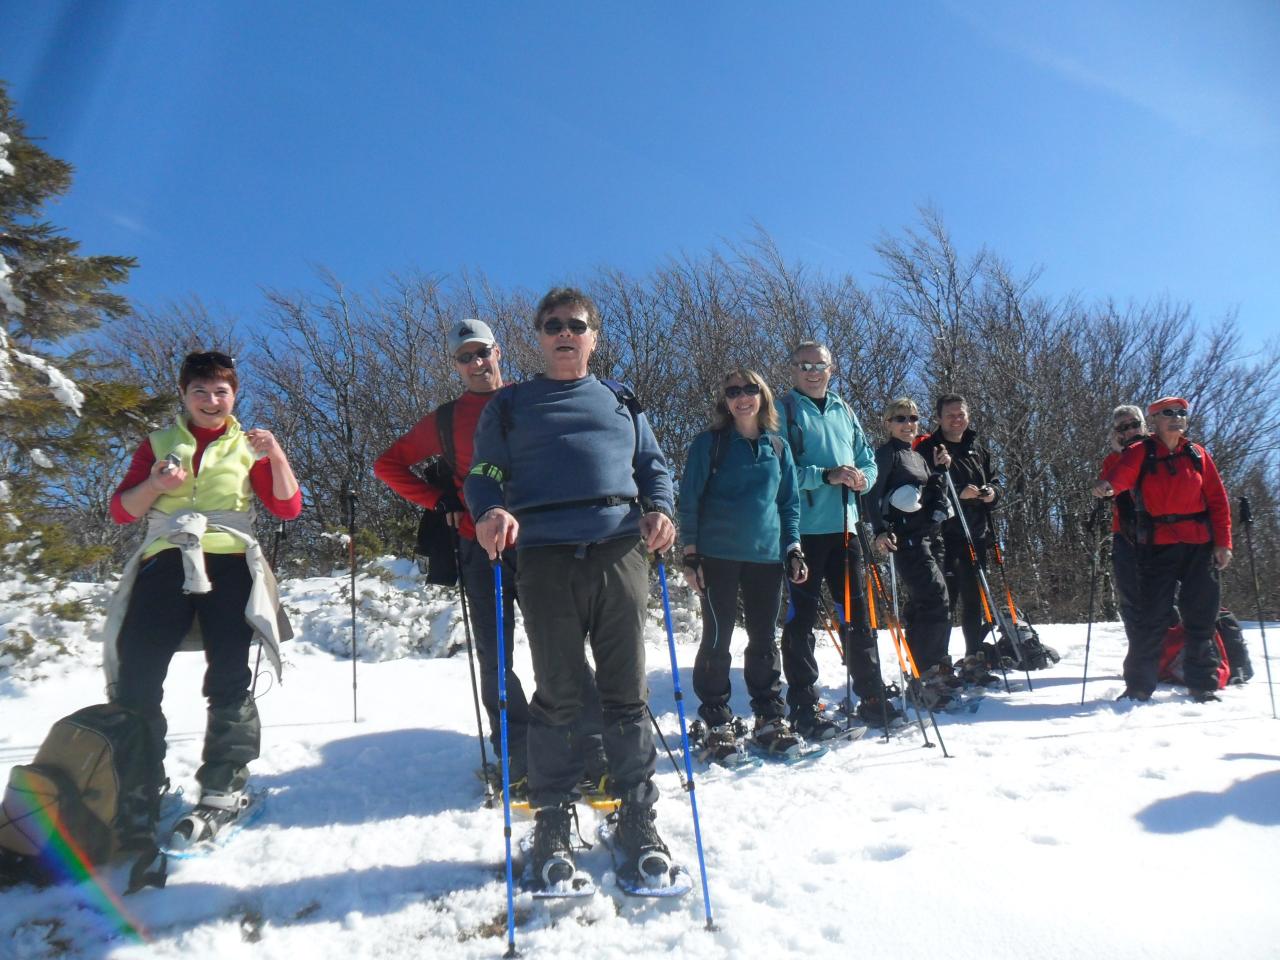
1055, 831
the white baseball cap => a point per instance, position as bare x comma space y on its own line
469, 331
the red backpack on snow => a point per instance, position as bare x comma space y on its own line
1171, 655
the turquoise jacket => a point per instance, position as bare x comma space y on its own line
820, 440
749, 510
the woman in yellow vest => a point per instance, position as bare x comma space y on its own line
199, 581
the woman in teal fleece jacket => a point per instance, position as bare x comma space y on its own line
740, 523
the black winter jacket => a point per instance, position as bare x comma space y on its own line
970, 463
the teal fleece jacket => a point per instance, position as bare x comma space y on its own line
749, 509
820, 440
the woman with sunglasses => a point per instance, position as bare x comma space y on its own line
1182, 529
740, 522
199, 580
1127, 427
906, 508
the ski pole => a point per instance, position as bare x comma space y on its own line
506, 757
684, 739
665, 746
351, 555
897, 615
1246, 520
471, 667
848, 632
984, 588
1093, 582
897, 635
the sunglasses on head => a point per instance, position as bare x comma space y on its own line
905, 418
1126, 427
209, 357
734, 392
809, 366
1173, 412
553, 326
479, 353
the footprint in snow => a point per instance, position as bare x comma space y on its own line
886, 851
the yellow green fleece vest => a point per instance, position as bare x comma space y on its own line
222, 484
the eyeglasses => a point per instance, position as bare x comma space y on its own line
1174, 412
809, 367
1126, 427
553, 327
734, 392
905, 418
480, 353
209, 357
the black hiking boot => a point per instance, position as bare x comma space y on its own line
1204, 696
811, 723
721, 744
553, 846
1138, 696
873, 711
645, 859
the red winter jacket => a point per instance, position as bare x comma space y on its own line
423, 442
1184, 491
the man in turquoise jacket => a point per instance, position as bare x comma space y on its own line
834, 462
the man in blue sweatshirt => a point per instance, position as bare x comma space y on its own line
568, 471
834, 462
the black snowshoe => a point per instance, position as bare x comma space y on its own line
552, 872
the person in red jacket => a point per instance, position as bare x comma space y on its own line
477, 359
1182, 528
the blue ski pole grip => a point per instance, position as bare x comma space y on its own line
506, 755
684, 739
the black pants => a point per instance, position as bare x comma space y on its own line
925, 614
1124, 575
570, 593
826, 558
158, 618
962, 585
761, 588
1184, 571
477, 578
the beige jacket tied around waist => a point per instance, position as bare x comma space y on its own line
183, 529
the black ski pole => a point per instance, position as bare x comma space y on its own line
351, 555
897, 635
915, 685
471, 668
684, 739
665, 746
984, 588
1246, 520
848, 632
506, 757
1093, 583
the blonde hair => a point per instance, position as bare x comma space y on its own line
766, 419
901, 403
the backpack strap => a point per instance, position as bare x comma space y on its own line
795, 436
444, 429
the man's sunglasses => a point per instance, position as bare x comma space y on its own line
479, 353
905, 418
1126, 427
809, 367
209, 357
1173, 412
734, 392
553, 327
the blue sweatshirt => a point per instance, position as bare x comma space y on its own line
820, 440
749, 509
545, 442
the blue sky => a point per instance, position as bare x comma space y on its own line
1131, 149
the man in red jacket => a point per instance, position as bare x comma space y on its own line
449, 433
1183, 533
